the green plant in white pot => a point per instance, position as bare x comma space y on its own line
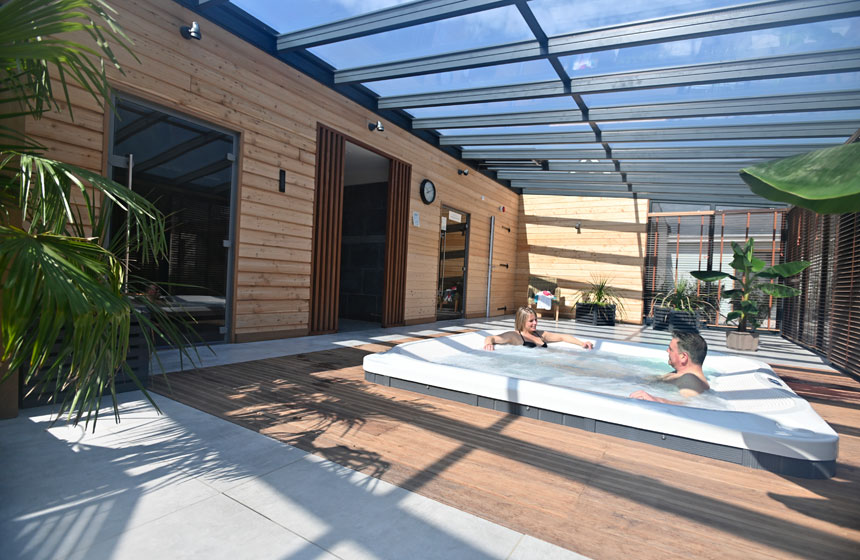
752, 276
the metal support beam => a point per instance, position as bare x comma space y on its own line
710, 152
823, 62
825, 129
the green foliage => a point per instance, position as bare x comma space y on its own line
682, 297
600, 292
66, 311
826, 181
750, 273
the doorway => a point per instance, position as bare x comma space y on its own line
453, 256
187, 169
326, 296
362, 245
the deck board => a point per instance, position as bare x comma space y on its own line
598, 495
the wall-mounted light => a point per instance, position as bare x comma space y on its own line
376, 126
578, 227
462, 172
192, 32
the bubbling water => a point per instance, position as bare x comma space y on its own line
593, 371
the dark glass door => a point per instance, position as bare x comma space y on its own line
187, 170
453, 256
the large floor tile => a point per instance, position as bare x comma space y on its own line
356, 517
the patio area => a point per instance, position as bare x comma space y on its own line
280, 449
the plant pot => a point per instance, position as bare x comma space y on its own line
661, 319
743, 341
8, 394
666, 319
593, 314
137, 359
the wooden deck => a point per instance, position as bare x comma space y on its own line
597, 495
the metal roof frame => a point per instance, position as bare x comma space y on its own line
680, 164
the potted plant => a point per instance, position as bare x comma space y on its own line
679, 309
751, 278
597, 303
67, 312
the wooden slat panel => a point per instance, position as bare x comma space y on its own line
844, 336
396, 244
328, 221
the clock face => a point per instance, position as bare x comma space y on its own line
428, 191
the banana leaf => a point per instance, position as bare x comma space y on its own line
825, 181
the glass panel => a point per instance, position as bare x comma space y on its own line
749, 88
472, 31
286, 17
184, 169
453, 251
519, 106
558, 17
781, 41
501, 75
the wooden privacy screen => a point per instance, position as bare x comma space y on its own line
681, 243
328, 221
826, 315
396, 244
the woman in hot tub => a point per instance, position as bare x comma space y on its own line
526, 334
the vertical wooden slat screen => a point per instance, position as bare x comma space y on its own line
396, 244
680, 243
845, 311
328, 220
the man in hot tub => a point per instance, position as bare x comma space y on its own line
687, 352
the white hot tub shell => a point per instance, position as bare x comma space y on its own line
766, 425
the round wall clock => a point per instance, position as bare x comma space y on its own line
428, 191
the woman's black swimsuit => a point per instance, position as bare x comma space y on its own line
530, 344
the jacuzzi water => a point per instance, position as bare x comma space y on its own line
575, 368
749, 414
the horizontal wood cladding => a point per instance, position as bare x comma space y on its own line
610, 242
275, 109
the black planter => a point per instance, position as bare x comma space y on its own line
137, 359
666, 319
593, 314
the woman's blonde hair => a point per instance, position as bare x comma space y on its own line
522, 316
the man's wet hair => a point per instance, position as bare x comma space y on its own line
693, 345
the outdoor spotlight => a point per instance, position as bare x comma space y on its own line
578, 227
192, 32
462, 172
376, 126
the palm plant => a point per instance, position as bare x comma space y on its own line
682, 297
752, 276
600, 292
65, 310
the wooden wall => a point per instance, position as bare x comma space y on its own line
610, 243
276, 111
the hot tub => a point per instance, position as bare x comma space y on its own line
750, 416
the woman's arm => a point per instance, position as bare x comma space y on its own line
557, 337
509, 337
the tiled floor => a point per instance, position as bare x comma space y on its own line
189, 485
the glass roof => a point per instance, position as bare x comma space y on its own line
638, 84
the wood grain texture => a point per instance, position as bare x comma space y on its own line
610, 243
276, 109
600, 496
